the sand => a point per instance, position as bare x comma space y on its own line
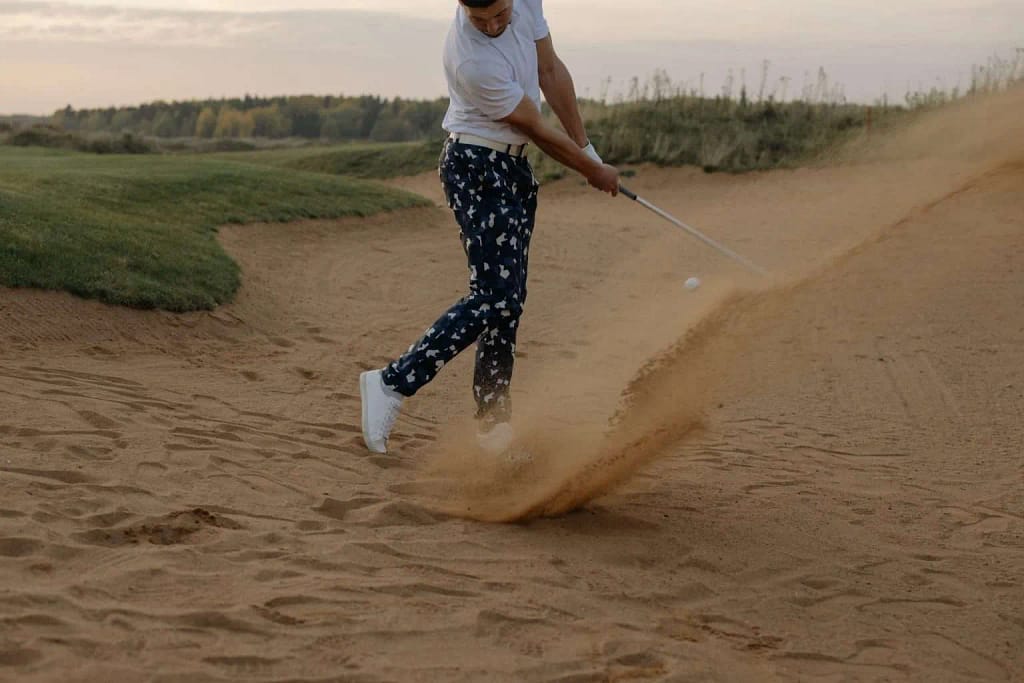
817, 477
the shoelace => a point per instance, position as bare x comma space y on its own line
389, 418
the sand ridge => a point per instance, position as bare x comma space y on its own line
187, 497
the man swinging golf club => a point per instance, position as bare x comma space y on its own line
498, 57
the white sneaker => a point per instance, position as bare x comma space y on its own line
499, 445
380, 410
497, 440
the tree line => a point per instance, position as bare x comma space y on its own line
659, 122
334, 118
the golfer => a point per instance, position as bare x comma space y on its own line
498, 57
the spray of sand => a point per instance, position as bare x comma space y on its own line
582, 444
571, 451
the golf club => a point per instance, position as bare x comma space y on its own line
695, 233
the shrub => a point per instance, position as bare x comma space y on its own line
43, 136
113, 144
101, 143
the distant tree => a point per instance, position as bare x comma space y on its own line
164, 125
332, 117
187, 123
372, 107
65, 118
246, 125
305, 115
206, 124
123, 121
270, 122
232, 123
425, 116
96, 121
343, 122
391, 127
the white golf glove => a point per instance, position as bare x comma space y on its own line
592, 153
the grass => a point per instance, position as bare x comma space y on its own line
375, 160
669, 127
101, 143
140, 230
725, 135
358, 160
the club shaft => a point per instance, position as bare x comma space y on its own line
693, 232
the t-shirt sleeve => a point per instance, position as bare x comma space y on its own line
491, 88
540, 24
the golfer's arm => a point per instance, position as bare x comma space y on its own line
554, 142
560, 91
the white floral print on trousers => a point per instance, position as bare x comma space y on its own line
494, 198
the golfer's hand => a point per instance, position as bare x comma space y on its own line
606, 179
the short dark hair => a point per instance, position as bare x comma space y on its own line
478, 4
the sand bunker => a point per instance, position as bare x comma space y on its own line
818, 478
577, 453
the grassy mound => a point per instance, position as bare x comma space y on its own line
100, 143
374, 160
724, 135
139, 230
355, 160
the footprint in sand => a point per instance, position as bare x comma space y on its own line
307, 374
171, 529
98, 421
19, 547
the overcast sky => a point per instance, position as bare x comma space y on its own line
92, 53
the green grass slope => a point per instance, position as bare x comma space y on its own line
356, 160
140, 231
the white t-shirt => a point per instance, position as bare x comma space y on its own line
488, 77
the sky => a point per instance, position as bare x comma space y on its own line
97, 53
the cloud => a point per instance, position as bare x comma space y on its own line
52, 54
91, 55
307, 29
57, 22
574, 22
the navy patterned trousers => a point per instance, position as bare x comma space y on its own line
494, 198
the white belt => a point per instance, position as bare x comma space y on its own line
466, 139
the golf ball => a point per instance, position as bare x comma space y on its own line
692, 283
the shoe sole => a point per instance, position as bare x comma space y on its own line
366, 422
